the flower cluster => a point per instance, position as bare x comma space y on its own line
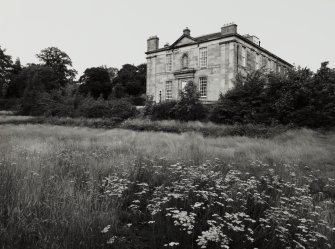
216, 205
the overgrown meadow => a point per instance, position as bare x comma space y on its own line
67, 187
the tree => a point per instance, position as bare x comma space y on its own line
60, 62
36, 80
245, 103
96, 81
308, 99
113, 72
189, 107
5, 71
132, 79
16, 87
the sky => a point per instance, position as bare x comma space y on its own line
115, 32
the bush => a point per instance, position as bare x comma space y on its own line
189, 107
100, 108
9, 104
301, 98
245, 103
161, 111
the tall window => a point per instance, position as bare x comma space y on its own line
244, 57
257, 61
168, 90
264, 62
203, 87
184, 61
169, 62
203, 57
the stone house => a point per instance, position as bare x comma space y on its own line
211, 61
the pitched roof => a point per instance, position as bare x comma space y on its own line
208, 37
215, 36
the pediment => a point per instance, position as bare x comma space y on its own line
183, 40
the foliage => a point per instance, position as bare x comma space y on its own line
59, 61
301, 98
60, 188
16, 86
37, 81
245, 103
214, 205
206, 129
117, 108
189, 107
9, 104
5, 71
96, 82
161, 111
130, 81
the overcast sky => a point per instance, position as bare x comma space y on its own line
114, 32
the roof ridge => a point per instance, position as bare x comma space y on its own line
215, 33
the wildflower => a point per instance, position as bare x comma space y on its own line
106, 229
111, 240
172, 244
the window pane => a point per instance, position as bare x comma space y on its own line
203, 57
203, 87
244, 59
169, 62
168, 90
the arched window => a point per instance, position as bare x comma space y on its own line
184, 61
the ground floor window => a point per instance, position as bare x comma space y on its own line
203, 87
168, 90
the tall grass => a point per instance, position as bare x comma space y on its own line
51, 177
139, 124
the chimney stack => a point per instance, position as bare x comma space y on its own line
153, 43
230, 28
187, 32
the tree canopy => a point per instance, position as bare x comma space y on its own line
5, 71
300, 97
96, 82
130, 80
59, 61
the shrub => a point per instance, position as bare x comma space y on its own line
11, 104
301, 97
189, 107
245, 103
162, 110
116, 108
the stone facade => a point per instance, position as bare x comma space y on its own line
228, 53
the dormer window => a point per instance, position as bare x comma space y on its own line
184, 61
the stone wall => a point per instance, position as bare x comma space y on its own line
223, 63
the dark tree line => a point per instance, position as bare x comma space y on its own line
129, 81
49, 88
301, 98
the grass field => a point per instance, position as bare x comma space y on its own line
53, 187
